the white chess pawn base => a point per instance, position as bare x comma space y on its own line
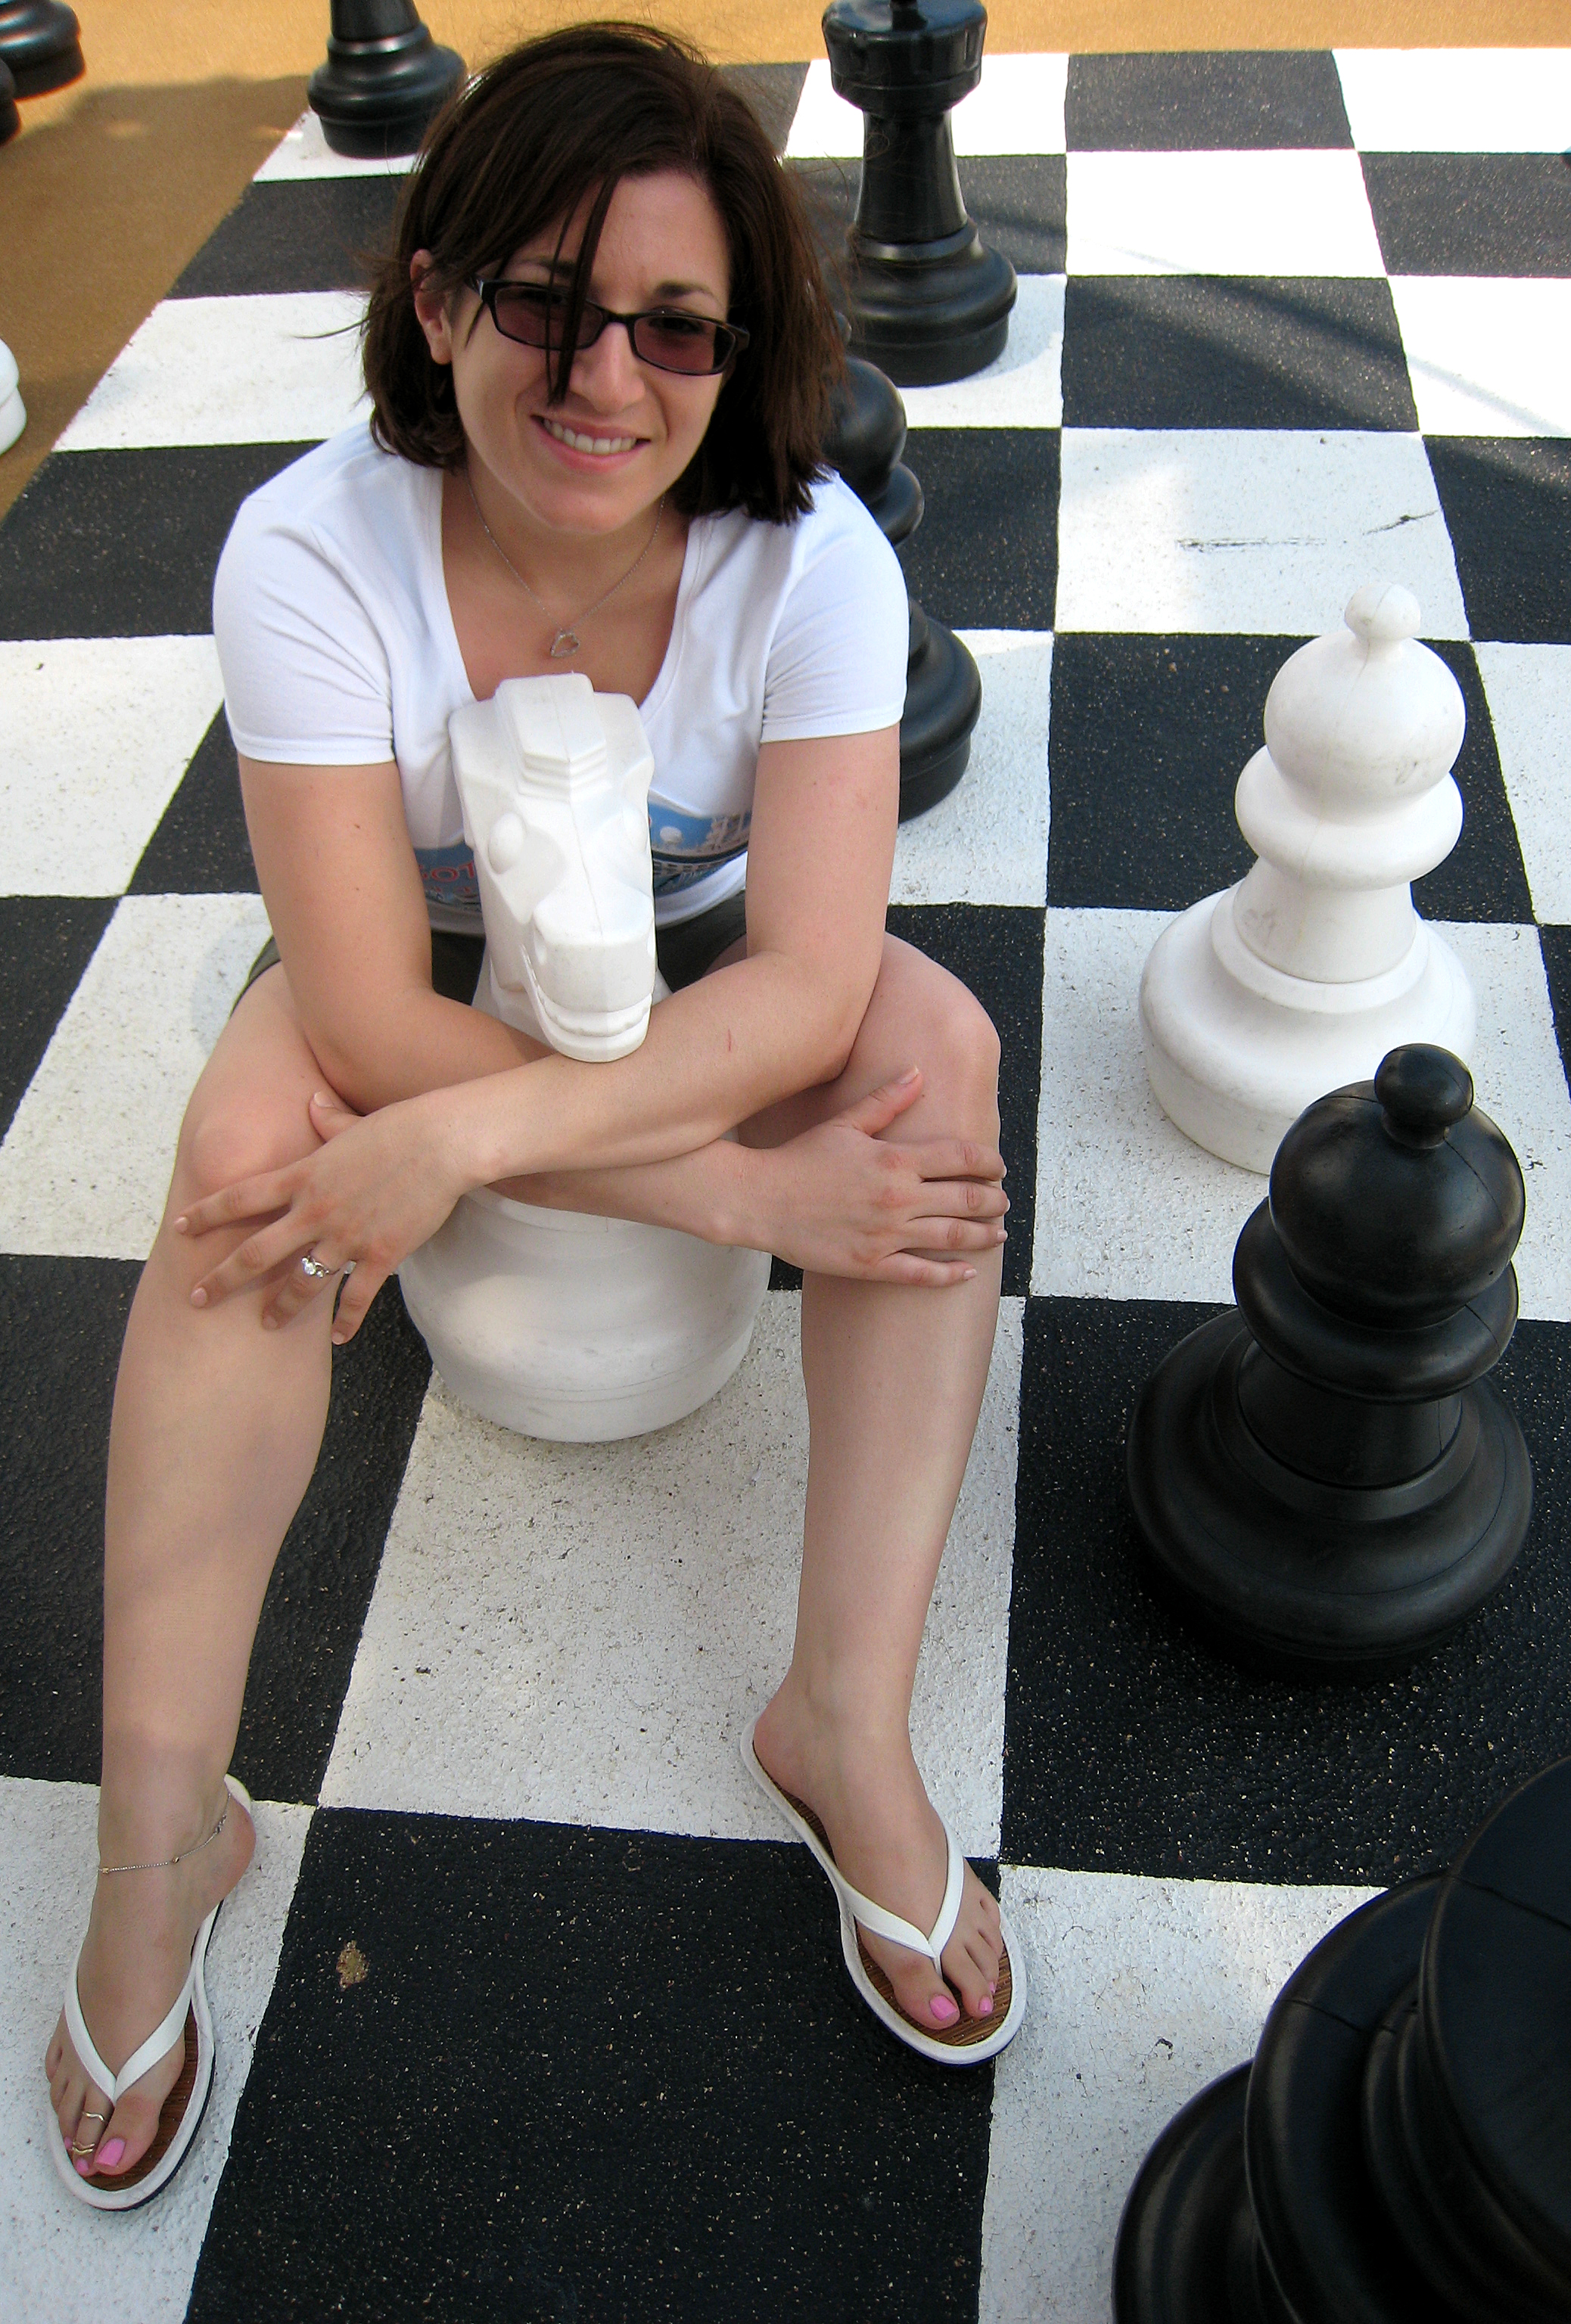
576, 1328
1235, 1049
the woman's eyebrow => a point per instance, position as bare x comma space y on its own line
567, 267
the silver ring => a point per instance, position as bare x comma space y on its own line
312, 1266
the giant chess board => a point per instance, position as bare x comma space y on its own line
526, 2010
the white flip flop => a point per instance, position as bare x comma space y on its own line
182, 2114
969, 2040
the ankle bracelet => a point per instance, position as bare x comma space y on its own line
165, 1862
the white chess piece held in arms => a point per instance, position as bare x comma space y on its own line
1301, 979
555, 1322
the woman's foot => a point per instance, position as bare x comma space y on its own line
133, 1963
888, 1841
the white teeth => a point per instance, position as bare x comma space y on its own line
570, 437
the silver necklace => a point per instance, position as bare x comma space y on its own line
566, 642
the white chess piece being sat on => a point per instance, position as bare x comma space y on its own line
12, 413
560, 1324
1300, 980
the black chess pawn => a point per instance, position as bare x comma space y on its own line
1400, 2148
41, 47
943, 686
10, 119
384, 79
1324, 1478
928, 301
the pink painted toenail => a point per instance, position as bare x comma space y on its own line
86, 2165
109, 2156
985, 2006
944, 2009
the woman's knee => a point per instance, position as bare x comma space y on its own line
941, 1026
229, 1136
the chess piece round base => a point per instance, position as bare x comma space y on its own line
1293, 1573
928, 312
383, 80
942, 705
1235, 1049
577, 1328
10, 119
1186, 2249
40, 46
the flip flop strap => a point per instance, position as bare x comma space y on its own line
161, 2039
881, 1922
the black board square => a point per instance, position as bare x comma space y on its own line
1483, 877
1230, 101
1016, 201
1129, 1746
1556, 947
306, 233
45, 943
616, 2075
1506, 504
1471, 213
1190, 351
124, 544
985, 555
774, 92
201, 847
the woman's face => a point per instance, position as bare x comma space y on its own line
624, 432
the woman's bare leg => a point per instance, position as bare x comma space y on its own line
215, 1430
894, 1378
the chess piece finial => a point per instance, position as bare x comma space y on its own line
1323, 1479
1300, 978
929, 302
383, 80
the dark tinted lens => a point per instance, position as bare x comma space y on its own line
679, 342
532, 314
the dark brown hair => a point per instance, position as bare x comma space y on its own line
567, 118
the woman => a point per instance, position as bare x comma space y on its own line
599, 358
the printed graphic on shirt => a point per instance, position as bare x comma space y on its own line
687, 847
447, 876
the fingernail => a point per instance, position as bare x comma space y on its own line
181, 1225
944, 2009
198, 1298
985, 2006
969, 1275
320, 1097
910, 1075
108, 2156
269, 1323
340, 1338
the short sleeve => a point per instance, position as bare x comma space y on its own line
306, 681
838, 659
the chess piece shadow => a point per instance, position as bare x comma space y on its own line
1400, 2150
1324, 1480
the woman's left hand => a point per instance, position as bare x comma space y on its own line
376, 1189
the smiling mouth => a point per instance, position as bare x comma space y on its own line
575, 442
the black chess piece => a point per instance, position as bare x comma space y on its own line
41, 47
928, 301
10, 119
943, 686
384, 79
1322, 1478
1399, 2151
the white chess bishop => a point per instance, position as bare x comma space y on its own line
555, 1322
1300, 980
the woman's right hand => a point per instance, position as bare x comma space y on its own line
840, 1200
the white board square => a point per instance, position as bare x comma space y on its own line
1457, 100
1020, 388
987, 842
1528, 692
304, 153
279, 369
1487, 356
1016, 107
1256, 213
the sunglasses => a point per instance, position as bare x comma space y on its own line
535, 315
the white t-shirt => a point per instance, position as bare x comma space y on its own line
337, 648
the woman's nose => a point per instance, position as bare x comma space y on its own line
608, 374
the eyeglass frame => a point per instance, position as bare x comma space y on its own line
486, 286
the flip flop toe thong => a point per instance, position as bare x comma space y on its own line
970, 2040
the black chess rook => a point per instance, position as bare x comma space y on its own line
929, 302
943, 685
40, 48
1400, 2147
1322, 1478
384, 79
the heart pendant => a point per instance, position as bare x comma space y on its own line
564, 642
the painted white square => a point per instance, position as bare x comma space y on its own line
304, 153
281, 369
987, 842
1016, 107
1457, 100
94, 735
1528, 692
1021, 388
1248, 529
1487, 356
62, 2259
1265, 213
85, 1166
1142, 1992
582, 1632
1127, 1208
